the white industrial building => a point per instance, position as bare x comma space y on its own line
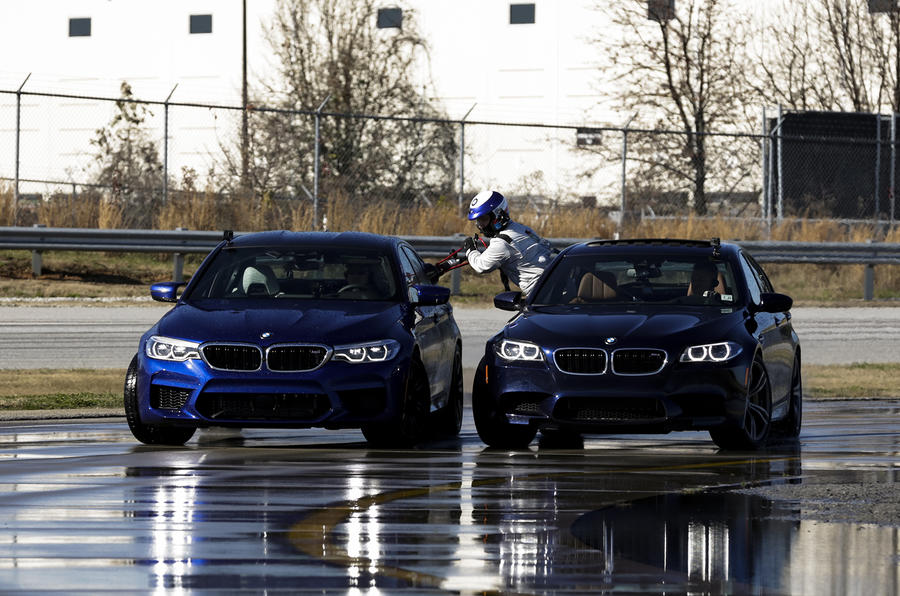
490, 61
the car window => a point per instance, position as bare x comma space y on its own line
761, 276
642, 277
296, 273
414, 268
754, 284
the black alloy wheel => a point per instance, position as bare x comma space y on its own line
753, 431
448, 420
150, 434
407, 427
789, 427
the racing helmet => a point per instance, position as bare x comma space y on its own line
489, 211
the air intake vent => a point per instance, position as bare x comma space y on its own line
294, 358
232, 356
581, 361
168, 398
638, 361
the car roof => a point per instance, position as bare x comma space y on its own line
653, 246
289, 238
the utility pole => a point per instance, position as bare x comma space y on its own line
244, 141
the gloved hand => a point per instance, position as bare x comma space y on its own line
468, 244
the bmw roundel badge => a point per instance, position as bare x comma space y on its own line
609, 341
265, 335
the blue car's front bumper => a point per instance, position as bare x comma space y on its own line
336, 395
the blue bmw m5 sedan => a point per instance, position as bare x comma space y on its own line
301, 329
643, 336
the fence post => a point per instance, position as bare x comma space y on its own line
166, 148
780, 209
893, 161
462, 162
18, 135
178, 262
315, 218
877, 167
762, 166
624, 205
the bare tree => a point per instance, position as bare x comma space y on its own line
681, 71
127, 161
332, 50
831, 55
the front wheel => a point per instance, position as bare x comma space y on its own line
151, 434
407, 427
493, 427
753, 431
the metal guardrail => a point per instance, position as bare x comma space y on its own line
180, 242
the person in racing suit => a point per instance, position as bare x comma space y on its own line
515, 249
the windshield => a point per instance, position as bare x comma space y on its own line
298, 273
642, 278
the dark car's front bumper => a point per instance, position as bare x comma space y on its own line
336, 395
681, 396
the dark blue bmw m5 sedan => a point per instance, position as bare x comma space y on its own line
643, 336
292, 329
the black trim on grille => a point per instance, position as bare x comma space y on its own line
163, 397
638, 361
581, 361
296, 357
263, 406
243, 357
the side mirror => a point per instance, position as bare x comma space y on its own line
166, 291
429, 295
508, 300
773, 302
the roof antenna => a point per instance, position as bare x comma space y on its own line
228, 235
717, 248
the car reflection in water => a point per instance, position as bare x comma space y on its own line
387, 522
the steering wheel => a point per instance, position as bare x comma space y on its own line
349, 287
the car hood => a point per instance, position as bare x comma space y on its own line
328, 324
572, 327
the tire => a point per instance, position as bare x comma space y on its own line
753, 431
447, 421
789, 428
408, 427
493, 427
150, 434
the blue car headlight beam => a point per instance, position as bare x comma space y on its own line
509, 349
717, 352
376, 351
173, 350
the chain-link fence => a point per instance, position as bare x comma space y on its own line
130, 160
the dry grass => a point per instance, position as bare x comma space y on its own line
852, 380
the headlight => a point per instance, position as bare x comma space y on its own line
176, 350
518, 350
718, 352
376, 351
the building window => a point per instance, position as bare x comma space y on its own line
390, 18
79, 27
660, 10
521, 14
201, 23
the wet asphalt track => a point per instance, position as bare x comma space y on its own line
85, 508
